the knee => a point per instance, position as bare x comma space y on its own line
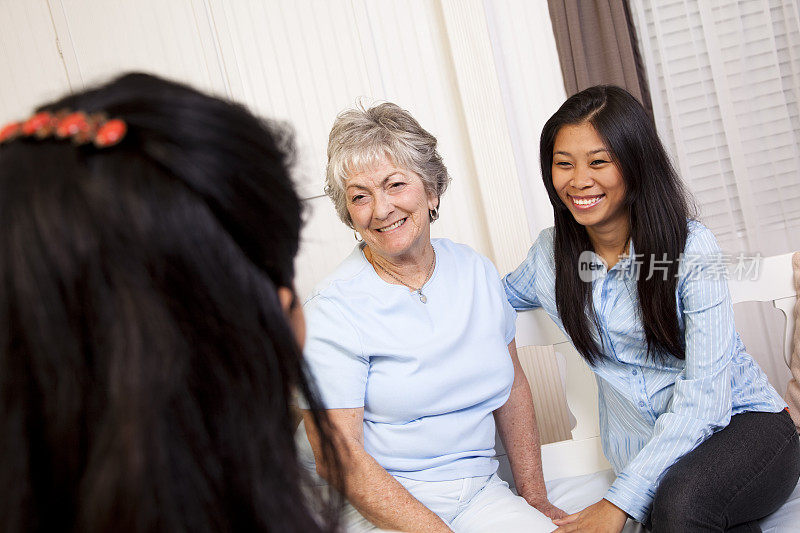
678, 506
669, 508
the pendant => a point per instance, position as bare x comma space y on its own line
422, 297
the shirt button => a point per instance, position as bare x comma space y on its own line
641, 404
634, 372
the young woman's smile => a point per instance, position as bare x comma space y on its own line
587, 179
586, 202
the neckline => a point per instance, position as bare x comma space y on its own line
624, 264
374, 274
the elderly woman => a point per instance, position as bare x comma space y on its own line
411, 342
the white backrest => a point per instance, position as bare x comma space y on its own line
774, 281
583, 453
535, 328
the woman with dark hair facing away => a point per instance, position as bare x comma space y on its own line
698, 438
151, 337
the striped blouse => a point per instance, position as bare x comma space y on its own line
653, 412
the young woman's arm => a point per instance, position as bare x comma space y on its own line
519, 285
516, 423
701, 397
368, 487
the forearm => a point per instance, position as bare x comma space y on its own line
516, 424
674, 435
379, 497
382, 500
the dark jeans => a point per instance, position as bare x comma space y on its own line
737, 476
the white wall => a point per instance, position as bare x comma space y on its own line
469, 71
465, 70
532, 89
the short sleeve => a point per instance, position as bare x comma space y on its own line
334, 355
509, 314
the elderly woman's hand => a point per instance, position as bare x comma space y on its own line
541, 503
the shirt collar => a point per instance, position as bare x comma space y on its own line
627, 263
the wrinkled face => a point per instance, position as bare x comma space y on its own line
587, 180
389, 208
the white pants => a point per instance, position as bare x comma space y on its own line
469, 505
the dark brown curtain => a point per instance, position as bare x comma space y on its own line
596, 44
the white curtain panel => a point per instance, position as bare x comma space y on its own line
724, 77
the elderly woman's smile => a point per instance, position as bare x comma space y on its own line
393, 226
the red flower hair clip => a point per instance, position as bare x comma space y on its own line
77, 126
10, 131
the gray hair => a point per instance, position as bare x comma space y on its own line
360, 137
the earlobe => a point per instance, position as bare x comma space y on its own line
286, 297
433, 208
433, 202
294, 312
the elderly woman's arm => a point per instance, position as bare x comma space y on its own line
367, 486
516, 423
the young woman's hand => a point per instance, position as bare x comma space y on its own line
601, 517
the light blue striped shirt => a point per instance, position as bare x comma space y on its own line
652, 413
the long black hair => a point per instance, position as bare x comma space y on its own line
658, 207
146, 363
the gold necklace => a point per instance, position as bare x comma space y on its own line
422, 297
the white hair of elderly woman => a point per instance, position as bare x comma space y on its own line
363, 136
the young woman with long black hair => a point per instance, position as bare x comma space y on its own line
147, 354
698, 438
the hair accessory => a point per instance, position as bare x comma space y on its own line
41, 125
110, 133
79, 127
10, 131
74, 125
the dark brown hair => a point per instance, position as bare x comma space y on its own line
658, 208
146, 364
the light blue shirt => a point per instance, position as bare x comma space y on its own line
429, 374
652, 413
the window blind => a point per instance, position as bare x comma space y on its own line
725, 79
